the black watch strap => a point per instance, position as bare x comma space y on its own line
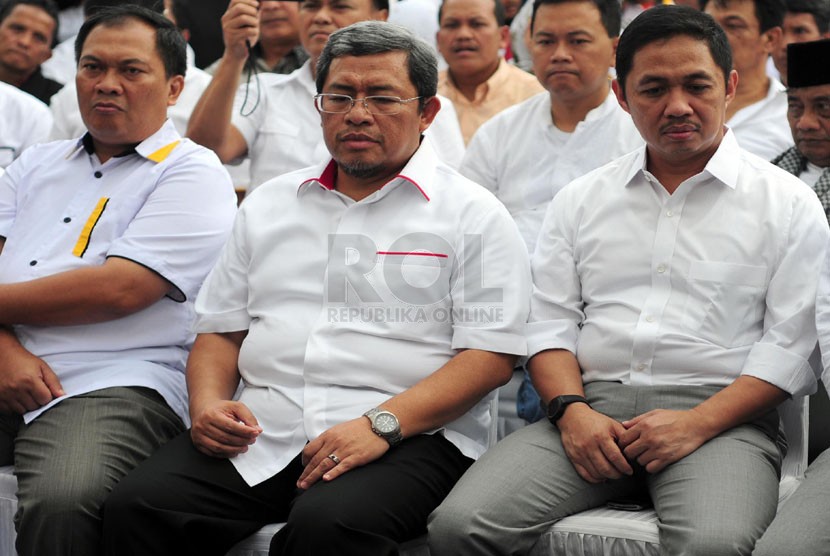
557, 406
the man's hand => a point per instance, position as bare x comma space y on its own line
240, 27
661, 437
224, 429
590, 440
352, 442
26, 381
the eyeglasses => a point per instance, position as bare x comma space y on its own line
375, 105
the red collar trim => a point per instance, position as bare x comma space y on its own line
326, 179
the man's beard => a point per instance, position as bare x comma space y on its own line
360, 170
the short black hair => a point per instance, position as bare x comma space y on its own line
170, 44
610, 13
769, 13
47, 6
91, 7
666, 22
378, 37
819, 9
498, 11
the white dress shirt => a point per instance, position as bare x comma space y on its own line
696, 288
762, 128
26, 121
281, 126
823, 319
525, 160
349, 303
169, 207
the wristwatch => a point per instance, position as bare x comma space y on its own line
385, 425
557, 406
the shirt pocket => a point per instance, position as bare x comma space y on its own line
725, 302
415, 279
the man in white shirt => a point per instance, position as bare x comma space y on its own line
26, 121
758, 115
369, 320
530, 151
672, 312
105, 241
809, 116
272, 119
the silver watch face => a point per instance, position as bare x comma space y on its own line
386, 423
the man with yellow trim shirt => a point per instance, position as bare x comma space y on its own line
104, 243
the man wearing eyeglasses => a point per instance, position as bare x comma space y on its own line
271, 118
369, 305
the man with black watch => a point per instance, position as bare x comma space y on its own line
555, 409
673, 306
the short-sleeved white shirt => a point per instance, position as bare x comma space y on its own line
699, 287
281, 126
169, 207
350, 303
524, 159
762, 128
25, 122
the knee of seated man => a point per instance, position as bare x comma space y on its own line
721, 541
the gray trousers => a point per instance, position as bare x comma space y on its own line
717, 500
68, 460
802, 527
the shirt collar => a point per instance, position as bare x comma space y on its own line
419, 173
722, 166
496, 82
157, 147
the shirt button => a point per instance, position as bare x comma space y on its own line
32, 263
97, 174
641, 367
649, 319
670, 213
661, 268
67, 220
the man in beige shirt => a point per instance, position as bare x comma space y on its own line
478, 80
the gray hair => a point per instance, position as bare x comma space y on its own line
377, 37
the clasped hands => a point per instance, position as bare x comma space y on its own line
601, 448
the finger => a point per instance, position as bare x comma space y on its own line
585, 474
657, 465
615, 458
211, 447
635, 450
627, 436
244, 414
222, 437
315, 472
51, 380
631, 422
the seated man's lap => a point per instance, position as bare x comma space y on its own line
391, 496
526, 482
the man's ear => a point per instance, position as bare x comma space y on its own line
614, 42
618, 92
175, 86
430, 110
772, 38
504, 32
731, 86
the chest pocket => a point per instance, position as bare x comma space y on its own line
419, 280
725, 302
